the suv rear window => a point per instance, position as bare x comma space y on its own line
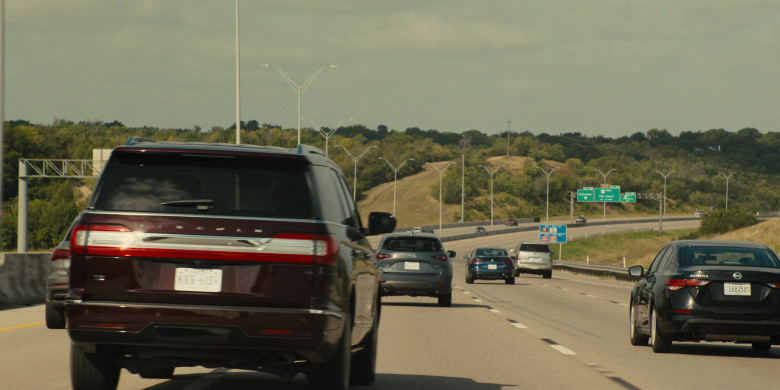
534, 248
255, 187
416, 244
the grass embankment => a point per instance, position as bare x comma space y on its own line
640, 248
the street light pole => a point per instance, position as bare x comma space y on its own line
462, 185
356, 159
328, 133
508, 121
395, 179
605, 182
440, 171
238, 85
299, 89
548, 173
664, 176
491, 173
727, 187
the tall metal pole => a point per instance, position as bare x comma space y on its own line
727, 187
508, 121
356, 159
329, 133
605, 182
299, 89
664, 176
238, 84
491, 173
546, 173
462, 185
2, 98
395, 173
440, 171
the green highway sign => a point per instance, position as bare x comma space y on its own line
610, 194
629, 197
585, 195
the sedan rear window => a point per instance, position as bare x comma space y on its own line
412, 244
212, 185
728, 256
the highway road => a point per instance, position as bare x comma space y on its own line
568, 332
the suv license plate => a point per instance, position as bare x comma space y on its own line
736, 289
200, 280
412, 265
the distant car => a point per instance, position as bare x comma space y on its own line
489, 263
533, 258
480, 229
580, 219
417, 229
706, 290
511, 222
698, 213
57, 284
415, 265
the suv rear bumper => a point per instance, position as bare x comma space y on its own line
227, 336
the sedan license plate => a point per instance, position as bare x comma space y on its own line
200, 280
736, 289
492, 266
412, 265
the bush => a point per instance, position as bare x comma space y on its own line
723, 221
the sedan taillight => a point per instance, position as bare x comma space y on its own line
676, 284
59, 254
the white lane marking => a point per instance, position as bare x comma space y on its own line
623, 304
476, 299
494, 311
465, 292
590, 296
519, 325
562, 349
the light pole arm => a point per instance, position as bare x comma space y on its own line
314, 77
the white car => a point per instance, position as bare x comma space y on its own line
533, 258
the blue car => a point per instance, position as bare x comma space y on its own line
489, 263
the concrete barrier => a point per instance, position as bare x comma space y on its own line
23, 278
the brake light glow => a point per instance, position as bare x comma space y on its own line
119, 241
382, 256
676, 284
440, 257
59, 254
773, 285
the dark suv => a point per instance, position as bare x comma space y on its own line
221, 255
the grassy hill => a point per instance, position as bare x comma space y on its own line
415, 204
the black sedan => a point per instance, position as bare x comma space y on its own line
489, 263
701, 290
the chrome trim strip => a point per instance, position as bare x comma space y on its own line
190, 216
331, 313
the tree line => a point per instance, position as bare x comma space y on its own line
695, 159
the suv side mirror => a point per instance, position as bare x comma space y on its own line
451, 254
380, 223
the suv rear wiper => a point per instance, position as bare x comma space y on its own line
199, 204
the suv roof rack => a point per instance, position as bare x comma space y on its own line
138, 140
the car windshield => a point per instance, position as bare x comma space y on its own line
728, 256
416, 244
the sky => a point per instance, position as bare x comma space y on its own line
606, 67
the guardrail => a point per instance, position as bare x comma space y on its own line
601, 271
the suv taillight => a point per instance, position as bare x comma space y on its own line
440, 257
382, 256
59, 254
119, 241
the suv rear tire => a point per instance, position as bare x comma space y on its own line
445, 300
92, 371
364, 361
335, 374
55, 317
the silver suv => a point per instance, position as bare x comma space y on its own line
415, 265
533, 258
